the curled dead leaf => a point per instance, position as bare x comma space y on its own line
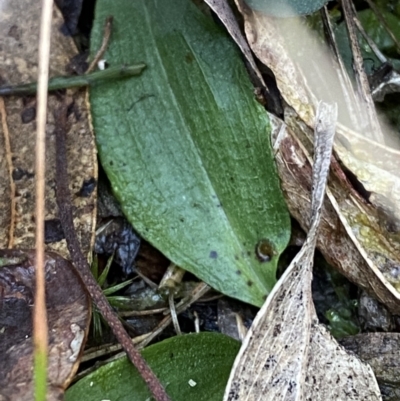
287, 355
336, 239
359, 237
68, 310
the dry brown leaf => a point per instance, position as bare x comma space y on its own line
68, 310
382, 352
268, 45
287, 355
377, 167
19, 32
362, 240
339, 248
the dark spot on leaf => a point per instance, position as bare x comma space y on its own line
249, 283
213, 254
270, 362
111, 163
87, 188
292, 386
277, 330
189, 58
141, 98
238, 272
236, 257
28, 115
264, 251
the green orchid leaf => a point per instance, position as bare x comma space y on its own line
187, 147
192, 367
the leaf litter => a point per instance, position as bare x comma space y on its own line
287, 354
363, 244
68, 310
19, 30
69, 306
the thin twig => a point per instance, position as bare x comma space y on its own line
352, 103
197, 293
79, 260
174, 316
373, 130
117, 72
40, 334
371, 43
104, 45
142, 312
144, 339
196, 322
7, 148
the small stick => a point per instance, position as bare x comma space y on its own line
352, 103
40, 326
174, 316
104, 45
75, 81
372, 129
7, 148
82, 265
370, 42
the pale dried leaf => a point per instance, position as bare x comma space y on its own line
287, 355
335, 374
271, 359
